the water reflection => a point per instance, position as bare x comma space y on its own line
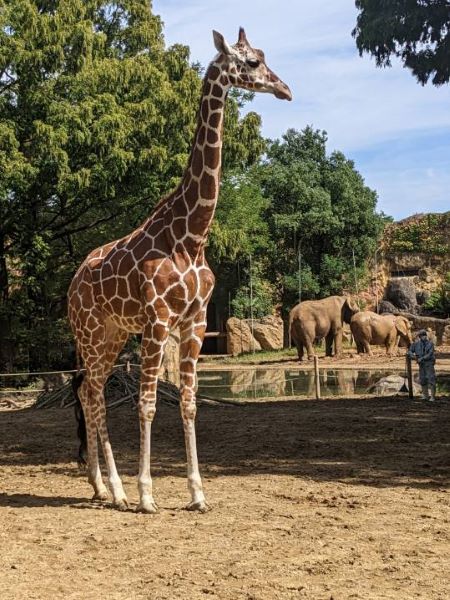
259, 383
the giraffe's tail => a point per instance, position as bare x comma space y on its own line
79, 415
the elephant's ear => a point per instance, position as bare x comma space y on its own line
352, 304
401, 325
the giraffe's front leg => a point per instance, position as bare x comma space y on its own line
192, 335
154, 340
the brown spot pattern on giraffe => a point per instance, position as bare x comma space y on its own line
212, 157
197, 163
208, 187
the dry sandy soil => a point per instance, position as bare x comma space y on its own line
332, 499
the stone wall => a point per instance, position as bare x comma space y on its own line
417, 249
430, 275
440, 328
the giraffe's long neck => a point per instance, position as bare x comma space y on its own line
200, 184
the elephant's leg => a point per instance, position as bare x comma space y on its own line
297, 339
309, 347
300, 350
391, 344
359, 347
338, 343
329, 344
367, 348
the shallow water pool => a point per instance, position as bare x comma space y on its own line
260, 383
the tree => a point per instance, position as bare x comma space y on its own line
322, 218
416, 31
438, 303
97, 119
239, 237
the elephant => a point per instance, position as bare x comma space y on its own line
369, 328
317, 319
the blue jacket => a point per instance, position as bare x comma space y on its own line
423, 350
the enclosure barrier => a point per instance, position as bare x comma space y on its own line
128, 365
410, 377
317, 377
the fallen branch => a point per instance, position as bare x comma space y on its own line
122, 387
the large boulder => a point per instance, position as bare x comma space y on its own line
402, 293
245, 335
170, 368
239, 337
422, 296
386, 307
392, 384
268, 331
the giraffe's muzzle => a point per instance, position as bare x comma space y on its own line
282, 91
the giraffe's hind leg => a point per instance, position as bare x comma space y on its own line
192, 335
99, 358
93, 465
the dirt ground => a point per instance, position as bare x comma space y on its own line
332, 499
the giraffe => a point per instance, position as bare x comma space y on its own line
156, 279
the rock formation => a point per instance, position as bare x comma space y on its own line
243, 335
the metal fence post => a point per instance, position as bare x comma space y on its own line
317, 377
410, 377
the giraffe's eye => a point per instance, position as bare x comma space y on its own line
253, 62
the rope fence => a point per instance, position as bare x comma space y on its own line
26, 374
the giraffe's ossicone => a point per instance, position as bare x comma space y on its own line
156, 279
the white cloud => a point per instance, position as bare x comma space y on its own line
363, 109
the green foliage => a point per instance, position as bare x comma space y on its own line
239, 231
255, 298
239, 228
243, 144
97, 120
301, 283
416, 31
427, 234
439, 301
321, 209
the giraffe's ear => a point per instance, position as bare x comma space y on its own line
242, 39
221, 44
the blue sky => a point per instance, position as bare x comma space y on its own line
396, 131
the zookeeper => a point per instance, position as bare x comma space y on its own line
423, 351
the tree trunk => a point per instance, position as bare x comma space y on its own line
6, 342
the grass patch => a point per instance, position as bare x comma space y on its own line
260, 356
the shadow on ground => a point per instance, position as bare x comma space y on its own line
370, 441
37, 501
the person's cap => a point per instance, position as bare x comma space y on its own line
422, 332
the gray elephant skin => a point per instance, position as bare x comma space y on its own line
317, 319
370, 329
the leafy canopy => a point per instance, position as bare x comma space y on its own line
416, 31
97, 121
322, 217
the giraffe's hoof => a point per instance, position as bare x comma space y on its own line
100, 497
121, 505
148, 507
199, 506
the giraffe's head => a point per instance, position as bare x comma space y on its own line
246, 67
